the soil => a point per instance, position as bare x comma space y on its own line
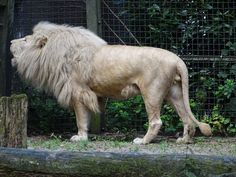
217, 146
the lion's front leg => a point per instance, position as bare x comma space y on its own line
82, 119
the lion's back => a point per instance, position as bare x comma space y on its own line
129, 57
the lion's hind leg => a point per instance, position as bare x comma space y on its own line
153, 97
175, 97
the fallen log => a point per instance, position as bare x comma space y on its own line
23, 162
13, 121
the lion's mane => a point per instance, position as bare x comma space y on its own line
55, 55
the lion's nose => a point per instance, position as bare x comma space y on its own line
12, 41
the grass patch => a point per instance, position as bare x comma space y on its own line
205, 146
163, 146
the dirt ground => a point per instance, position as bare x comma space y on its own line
218, 146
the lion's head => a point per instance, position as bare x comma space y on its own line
49, 57
17, 48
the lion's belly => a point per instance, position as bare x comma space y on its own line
111, 78
110, 91
115, 91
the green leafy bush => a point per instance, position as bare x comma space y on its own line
215, 92
219, 123
170, 120
182, 26
225, 90
126, 115
47, 116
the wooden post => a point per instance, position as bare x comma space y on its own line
93, 9
6, 21
13, 121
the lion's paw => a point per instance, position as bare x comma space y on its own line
77, 138
138, 141
184, 141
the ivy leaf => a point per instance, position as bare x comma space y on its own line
224, 52
184, 13
226, 121
228, 44
222, 74
233, 70
209, 7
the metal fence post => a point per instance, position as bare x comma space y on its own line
6, 21
93, 11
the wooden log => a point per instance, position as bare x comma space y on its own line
13, 121
16, 162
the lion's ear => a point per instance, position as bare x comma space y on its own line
41, 41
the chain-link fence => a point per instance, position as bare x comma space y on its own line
202, 28
203, 33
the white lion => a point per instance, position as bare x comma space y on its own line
78, 67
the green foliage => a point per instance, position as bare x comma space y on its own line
123, 115
170, 120
215, 87
229, 47
225, 90
219, 123
130, 114
183, 25
45, 113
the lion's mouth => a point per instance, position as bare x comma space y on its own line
13, 62
16, 50
13, 51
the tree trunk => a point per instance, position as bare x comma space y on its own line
13, 121
23, 162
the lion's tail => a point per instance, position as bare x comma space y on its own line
183, 71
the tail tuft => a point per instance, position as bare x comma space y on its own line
205, 129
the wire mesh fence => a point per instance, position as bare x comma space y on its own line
28, 13
205, 28
203, 33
